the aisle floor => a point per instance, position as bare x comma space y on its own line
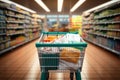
22, 64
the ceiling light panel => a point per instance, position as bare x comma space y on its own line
60, 4
80, 2
40, 2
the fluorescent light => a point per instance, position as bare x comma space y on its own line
43, 5
18, 5
60, 4
101, 6
80, 2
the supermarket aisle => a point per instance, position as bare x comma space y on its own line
22, 64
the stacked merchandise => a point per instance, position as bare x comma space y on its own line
76, 24
86, 25
28, 26
36, 22
14, 24
4, 40
105, 28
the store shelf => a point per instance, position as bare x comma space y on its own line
108, 6
15, 22
109, 49
4, 41
15, 11
2, 21
86, 23
113, 22
13, 47
14, 16
112, 15
86, 27
16, 33
106, 29
15, 27
2, 34
104, 35
2, 27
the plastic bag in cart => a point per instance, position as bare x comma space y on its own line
64, 65
48, 50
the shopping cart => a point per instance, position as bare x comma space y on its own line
54, 61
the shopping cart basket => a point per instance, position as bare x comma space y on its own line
52, 60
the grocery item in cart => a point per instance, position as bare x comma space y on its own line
70, 54
69, 38
49, 50
64, 65
49, 38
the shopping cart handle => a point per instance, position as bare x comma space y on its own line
82, 44
59, 32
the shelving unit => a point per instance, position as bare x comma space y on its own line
103, 28
16, 27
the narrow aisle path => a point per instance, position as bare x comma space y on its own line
23, 64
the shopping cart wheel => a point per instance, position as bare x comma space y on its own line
78, 75
44, 75
71, 75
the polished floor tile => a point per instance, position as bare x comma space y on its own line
23, 64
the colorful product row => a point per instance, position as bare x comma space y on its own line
108, 33
107, 42
108, 12
2, 24
3, 38
4, 45
2, 31
15, 31
17, 40
2, 18
1, 11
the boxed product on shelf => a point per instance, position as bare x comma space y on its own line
4, 5
110, 26
118, 34
11, 19
3, 24
12, 25
2, 31
7, 44
98, 39
3, 38
117, 18
117, 45
106, 12
95, 39
112, 33
117, 10
103, 41
110, 43
12, 6
2, 17
18, 9
1, 11
17, 40
20, 15
13, 42
2, 46
9, 12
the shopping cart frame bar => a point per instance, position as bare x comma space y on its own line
83, 44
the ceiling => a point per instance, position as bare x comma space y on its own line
67, 5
